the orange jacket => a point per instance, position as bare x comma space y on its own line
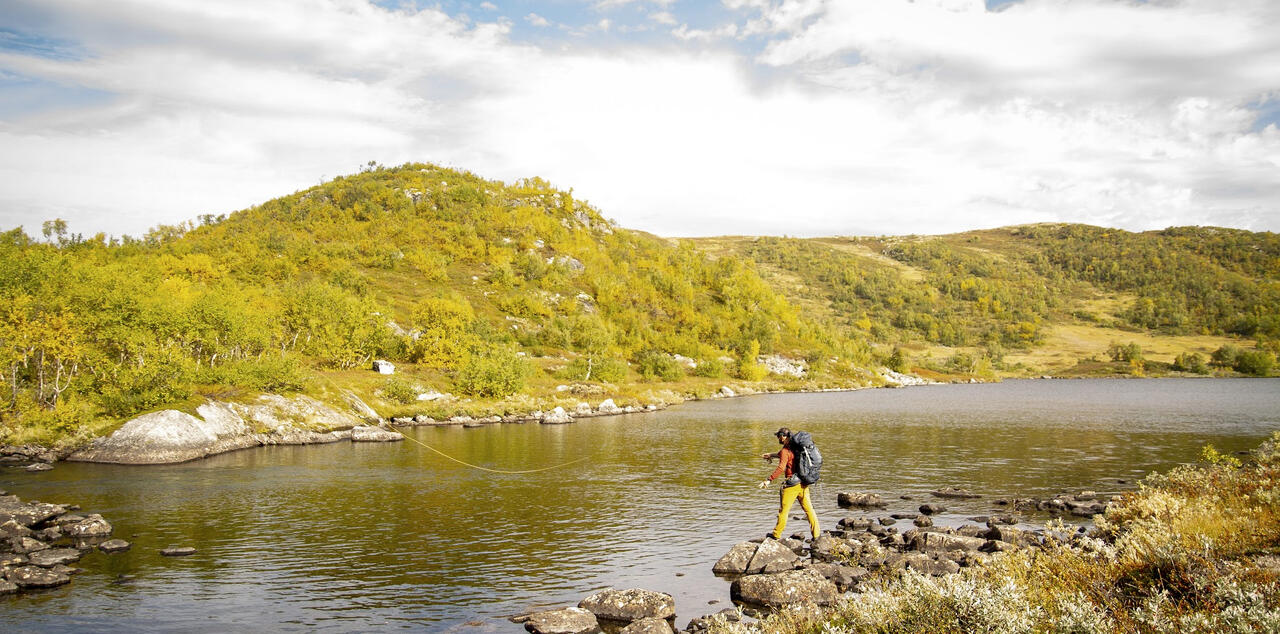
786, 464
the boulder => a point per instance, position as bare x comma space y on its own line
370, 433
556, 416
26, 545
384, 367
860, 500
11, 528
824, 547
12, 559
785, 588
54, 556
39, 466
771, 556
735, 561
563, 621
726, 391
114, 546
7, 587
628, 606
855, 523
843, 576
36, 577
158, 437
178, 551
608, 407
934, 542
932, 509
361, 409
92, 526
923, 521
27, 514
923, 563
649, 626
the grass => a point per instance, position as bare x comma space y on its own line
1192, 550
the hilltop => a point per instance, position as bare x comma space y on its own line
495, 298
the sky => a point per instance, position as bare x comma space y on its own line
678, 117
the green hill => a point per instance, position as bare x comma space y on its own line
1059, 299
488, 291
515, 297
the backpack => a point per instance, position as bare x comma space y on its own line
808, 458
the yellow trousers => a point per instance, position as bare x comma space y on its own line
788, 496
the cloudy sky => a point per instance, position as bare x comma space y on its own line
680, 117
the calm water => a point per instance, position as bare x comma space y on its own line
350, 537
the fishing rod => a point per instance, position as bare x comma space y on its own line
473, 466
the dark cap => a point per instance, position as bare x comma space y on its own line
783, 431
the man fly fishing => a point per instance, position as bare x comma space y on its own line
796, 481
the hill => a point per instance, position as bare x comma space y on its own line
494, 293
1060, 299
495, 298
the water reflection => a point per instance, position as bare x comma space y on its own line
362, 536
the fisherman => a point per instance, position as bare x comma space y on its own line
792, 488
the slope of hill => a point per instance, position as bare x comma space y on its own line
485, 290
1058, 299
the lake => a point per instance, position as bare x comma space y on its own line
355, 537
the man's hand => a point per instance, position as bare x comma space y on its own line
768, 457
764, 484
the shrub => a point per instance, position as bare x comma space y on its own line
1253, 362
709, 368
1190, 362
492, 373
399, 390
652, 364
1225, 356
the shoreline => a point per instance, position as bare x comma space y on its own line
362, 417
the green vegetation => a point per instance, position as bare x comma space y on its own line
1194, 550
475, 287
496, 292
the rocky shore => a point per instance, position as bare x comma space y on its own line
804, 576
39, 541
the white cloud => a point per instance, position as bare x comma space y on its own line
488, 6
536, 20
881, 117
663, 17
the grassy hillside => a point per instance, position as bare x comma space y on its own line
492, 292
1060, 299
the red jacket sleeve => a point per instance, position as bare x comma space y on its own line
786, 462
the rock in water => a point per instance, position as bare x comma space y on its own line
182, 551
565, 621
369, 433
114, 546
861, 500
649, 626
771, 556
557, 416
92, 526
627, 606
53, 556
36, 577
735, 561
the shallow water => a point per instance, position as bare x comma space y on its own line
350, 537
